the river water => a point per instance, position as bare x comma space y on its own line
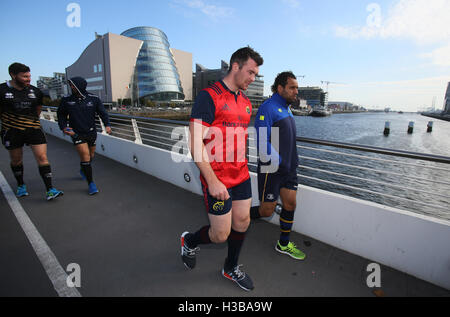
367, 129
409, 184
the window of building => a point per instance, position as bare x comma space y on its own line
99, 68
95, 68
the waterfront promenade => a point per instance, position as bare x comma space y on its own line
126, 242
445, 117
183, 113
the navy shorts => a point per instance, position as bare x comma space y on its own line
216, 207
90, 139
269, 184
16, 138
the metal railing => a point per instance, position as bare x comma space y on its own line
407, 180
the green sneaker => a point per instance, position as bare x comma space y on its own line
53, 193
291, 250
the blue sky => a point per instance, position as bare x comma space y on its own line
378, 53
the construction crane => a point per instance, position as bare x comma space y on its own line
328, 83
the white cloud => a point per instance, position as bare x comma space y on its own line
440, 56
212, 11
423, 21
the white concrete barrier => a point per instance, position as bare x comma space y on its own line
148, 159
415, 244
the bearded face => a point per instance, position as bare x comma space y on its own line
22, 79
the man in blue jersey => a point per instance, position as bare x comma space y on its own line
76, 118
274, 113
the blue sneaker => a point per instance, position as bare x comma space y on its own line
82, 174
53, 193
92, 189
22, 191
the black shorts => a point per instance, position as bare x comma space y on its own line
90, 139
269, 184
16, 138
216, 207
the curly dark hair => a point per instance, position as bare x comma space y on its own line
242, 55
282, 79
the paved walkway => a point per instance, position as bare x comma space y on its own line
126, 242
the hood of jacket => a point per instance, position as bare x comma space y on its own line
80, 84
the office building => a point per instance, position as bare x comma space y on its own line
314, 96
343, 106
55, 87
447, 100
204, 77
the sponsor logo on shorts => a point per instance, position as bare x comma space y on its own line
270, 196
218, 206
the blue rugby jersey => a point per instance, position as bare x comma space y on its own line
275, 112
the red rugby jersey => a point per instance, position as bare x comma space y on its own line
228, 116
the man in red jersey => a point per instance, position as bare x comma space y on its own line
218, 130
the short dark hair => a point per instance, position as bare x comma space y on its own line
282, 79
16, 68
242, 55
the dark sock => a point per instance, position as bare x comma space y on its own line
254, 213
286, 222
200, 237
86, 167
235, 241
18, 174
46, 174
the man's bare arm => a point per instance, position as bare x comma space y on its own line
215, 187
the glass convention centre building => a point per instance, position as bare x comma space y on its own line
136, 65
157, 77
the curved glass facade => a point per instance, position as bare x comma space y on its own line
156, 77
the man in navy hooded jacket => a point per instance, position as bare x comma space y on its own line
76, 118
276, 131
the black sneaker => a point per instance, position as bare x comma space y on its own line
187, 254
240, 278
